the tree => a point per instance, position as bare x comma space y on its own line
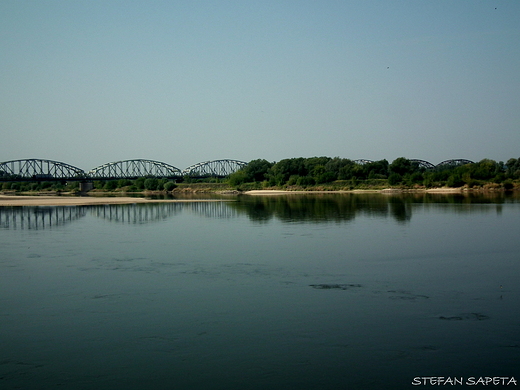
401, 166
321, 175
377, 169
110, 185
169, 186
281, 171
237, 178
394, 178
139, 183
513, 168
454, 181
123, 183
256, 170
151, 183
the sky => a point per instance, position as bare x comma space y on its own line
88, 82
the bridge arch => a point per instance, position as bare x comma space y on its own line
216, 168
133, 169
38, 169
362, 161
453, 163
422, 164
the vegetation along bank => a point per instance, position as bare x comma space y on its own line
315, 173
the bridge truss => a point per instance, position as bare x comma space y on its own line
421, 164
133, 169
49, 170
217, 168
34, 169
453, 163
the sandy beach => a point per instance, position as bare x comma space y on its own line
383, 191
6, 200
47, 200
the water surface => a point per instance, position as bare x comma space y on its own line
291, 292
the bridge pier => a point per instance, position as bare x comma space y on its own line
86, 186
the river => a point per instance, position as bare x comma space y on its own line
329, 291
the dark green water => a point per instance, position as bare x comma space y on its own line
292, 292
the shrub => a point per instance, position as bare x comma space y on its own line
169, 186
454, 181
110, 185
394, 178
151, 183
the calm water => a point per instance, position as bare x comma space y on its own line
291, 292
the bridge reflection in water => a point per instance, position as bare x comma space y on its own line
324, 208
38, 218
136, 213
155, 212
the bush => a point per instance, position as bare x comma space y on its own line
139, 183
237, 178
454, 181
110, 185
394, 178
169, 186
123, 183
151, 184
305, 181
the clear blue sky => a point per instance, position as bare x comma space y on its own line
90, 82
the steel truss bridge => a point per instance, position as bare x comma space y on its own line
48, 170
422, 164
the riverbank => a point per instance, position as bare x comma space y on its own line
24, 200
7, 200
381, 191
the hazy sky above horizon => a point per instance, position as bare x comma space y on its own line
90, 82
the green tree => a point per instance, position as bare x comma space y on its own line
401, 166
256, 170
376, 169
281, 171
169, 186
321, 175
350, 170
305, 181
513, 168
394, 179
110, 185
139, 183
237, 178
335, 165
123, 183
483, 170
454, 180
151, 183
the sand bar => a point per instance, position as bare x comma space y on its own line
84, 200
383, 191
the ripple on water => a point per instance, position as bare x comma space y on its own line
466, 316
325, 286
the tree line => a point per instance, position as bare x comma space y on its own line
137, 185
320, 173
402, 172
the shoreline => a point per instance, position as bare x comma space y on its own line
49, 200
66, 200
382, 191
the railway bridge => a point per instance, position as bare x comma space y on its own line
49, 170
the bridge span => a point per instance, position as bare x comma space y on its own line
49, 170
